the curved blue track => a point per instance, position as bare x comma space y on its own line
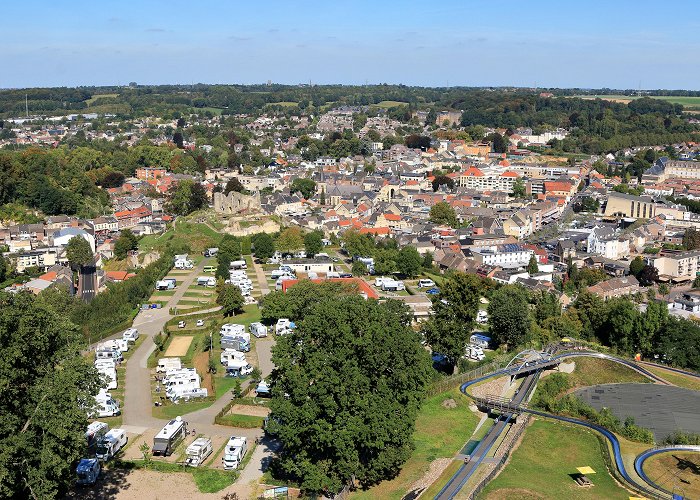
602, 430
639, 462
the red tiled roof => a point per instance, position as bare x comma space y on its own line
393, 217
473, 172
375, 230
509, 173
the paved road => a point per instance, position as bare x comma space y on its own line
88, 282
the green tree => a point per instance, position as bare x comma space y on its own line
186, 197
313, 243
359, 268
519, 188
358, 245
230, 246
532, 267
263, 246
508, 315
691, 239
648, 276
307, 187
3, 268
443, 213
636, 266
385, 261
454, 313
79, 252
409, 262
223, 266
234, 185
427, 261
126, 242
322, 199
664, 289
360, 379
290, 240
46, 386
230, 300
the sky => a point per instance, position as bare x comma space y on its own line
592, 44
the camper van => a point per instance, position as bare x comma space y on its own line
109, 354
108, 375
236, 343
186, 393
120, 345
279, 273
165, 284
426, 283
238, 368
231, 329
165, 442
210, 252
234, 451
480, 340
182, 380
94, 434
130, 335
283, 326
238, 264
475, 353
263, 389
202, 280
390, 285
228, 354
105, 406
258, 329
110, 444
165, 364
88, 470
198, 451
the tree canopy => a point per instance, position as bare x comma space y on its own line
126, 242
509, 315
443, 213
78, 251
46, 390
313, 243
263, 245
307, 187
290, 240
347, 386
230, 300
186, 197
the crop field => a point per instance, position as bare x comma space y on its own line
689, 102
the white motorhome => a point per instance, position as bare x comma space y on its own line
238, 264
258, 329
198, 451
120, 345
475, 353
280, 273
165, 442
108, 376
166, 364
94, 434
202, 280
187, 393
238, 368
232, 329
105, 405
183, 380
109, 354
482, 317
283, 326
130, 335
234, 452
110, 445
379, 281
229, 354
392, 285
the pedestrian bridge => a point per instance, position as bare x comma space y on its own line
529, 361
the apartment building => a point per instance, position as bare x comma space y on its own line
506, 256
680, 266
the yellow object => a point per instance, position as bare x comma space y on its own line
585, 470
637, 498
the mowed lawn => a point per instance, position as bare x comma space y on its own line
593, 371
541, 466
440, 433
677, 379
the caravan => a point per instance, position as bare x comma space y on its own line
186, 393
130, 335
94, 434
165, 442
234, 451
108, 375
109, 354
231, 330
105, 406
238, 264
284, 326
229, 354
238, 368
258, 329
88, 470
120, 345
110, 445
198, 451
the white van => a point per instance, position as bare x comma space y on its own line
202, 280
229, 354
108, 375
426, 283
105, 405
130, 335
332, 275
114, 345
234, 451
166, 364
198, 451
378, 282
258, 329
110, 445
109, 354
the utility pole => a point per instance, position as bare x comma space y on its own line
26, 104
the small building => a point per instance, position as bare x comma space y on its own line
317, 265
615, 287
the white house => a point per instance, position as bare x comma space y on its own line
602, 241
62, 237
507, 256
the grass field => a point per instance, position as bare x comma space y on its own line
390, 104
286, 104
541, 466
243, 421
213, 111
95, 97
592, 371
440, 433
676, 471
676, 378
197, 236
687, 101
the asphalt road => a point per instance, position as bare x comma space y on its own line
88, 282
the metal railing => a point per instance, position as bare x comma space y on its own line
447, 383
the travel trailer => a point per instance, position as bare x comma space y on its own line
165, 442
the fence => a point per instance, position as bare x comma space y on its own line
450, 382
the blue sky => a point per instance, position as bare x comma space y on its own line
617, 44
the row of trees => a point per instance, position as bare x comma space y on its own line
518, 317
388, 259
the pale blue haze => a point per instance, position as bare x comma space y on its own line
618, 44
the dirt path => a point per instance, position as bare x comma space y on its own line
179, 346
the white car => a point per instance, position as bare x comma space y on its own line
426, 283
181, 324
200, 322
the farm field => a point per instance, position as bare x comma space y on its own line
689, 102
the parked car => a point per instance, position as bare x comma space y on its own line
433, 291
426, 283
200, 322
181, 324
